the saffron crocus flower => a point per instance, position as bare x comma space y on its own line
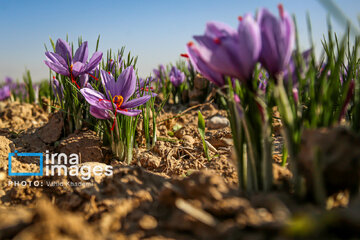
8, 81
202, 67
114, 65
64, 63
176, 76
117, 96
160, 72
290, 71
231, 52
12, 85
144, 86
277, 37
4, 92
57, 88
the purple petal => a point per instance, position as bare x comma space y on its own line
99, 113
57, 88
94, 61
109, 83
8, 81
56, 58
96, 98
232, 54
58, 68
136, 102
78, 69
126, 83
63, 49
81, 54
84, 79
201, 66
278, 36
5, 93
130, 112
176, 76
218, 30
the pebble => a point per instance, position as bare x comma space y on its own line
217, 122
148, 222
188, 139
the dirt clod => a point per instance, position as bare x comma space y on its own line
84, 143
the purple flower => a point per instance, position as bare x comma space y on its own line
117, 94
159, 73
19, 89
144, 87
4, 92
8, 81
65, 64
277, 37
202, 67
231, 52
57, 89
290, 71
176, 76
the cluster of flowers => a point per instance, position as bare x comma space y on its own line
176, 76
5, 91
224, 51
16, 89
117, 96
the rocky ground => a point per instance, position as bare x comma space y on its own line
170, 191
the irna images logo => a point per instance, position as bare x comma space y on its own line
57, 164
15, 154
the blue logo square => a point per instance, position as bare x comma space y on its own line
40, 155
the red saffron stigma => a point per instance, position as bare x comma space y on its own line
217, 41
118, 100
93, 77
109, 72
281, 10
72, 77
185, 55
190, 44
54, 77
112, 128
146, 89
240, 18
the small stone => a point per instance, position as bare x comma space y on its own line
217, 122
149, 161
188, 139
180, 133
148, 222
221, 142
2, 176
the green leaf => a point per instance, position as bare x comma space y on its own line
201, 128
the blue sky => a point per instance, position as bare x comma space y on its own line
157, 30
